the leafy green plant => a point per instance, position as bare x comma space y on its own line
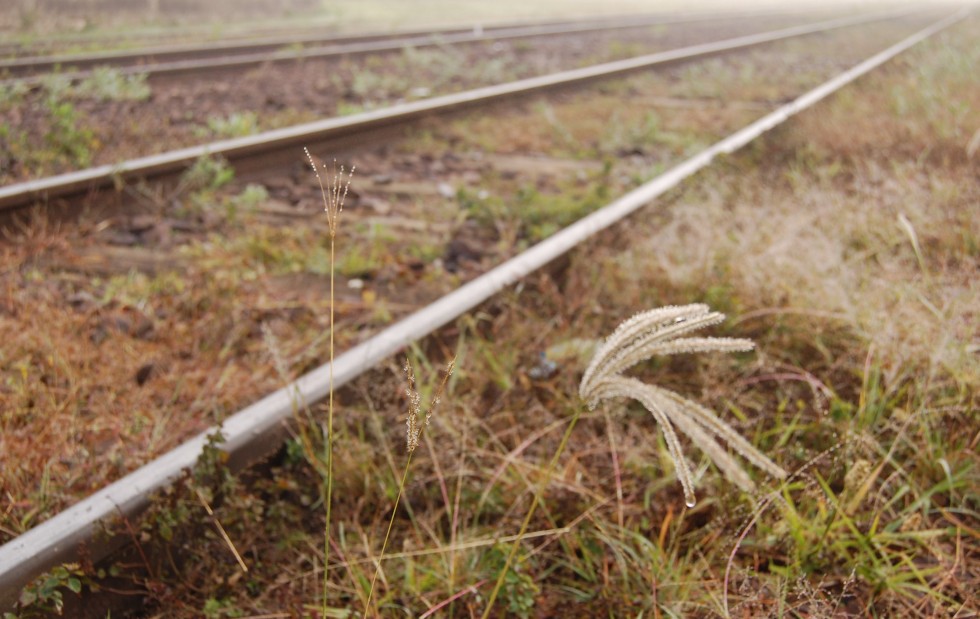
12, 94
247, 200
110, 84
208, 173
46, 593
66, 136
236, 124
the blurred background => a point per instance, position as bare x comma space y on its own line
42, 17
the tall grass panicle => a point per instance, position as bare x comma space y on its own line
417, 420
334, 194
658, 332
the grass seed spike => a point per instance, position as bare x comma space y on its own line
658, 332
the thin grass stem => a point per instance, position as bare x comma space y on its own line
530, 513
384, 545
328, 443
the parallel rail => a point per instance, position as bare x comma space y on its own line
321, 30
255, 430
223, 54
332, 130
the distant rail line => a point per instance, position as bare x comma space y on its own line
189, 58
285, 35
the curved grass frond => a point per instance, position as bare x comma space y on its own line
657, 332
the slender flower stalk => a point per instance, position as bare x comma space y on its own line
659, 332
417, 420
333, 203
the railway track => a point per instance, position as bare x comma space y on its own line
183, 59
249, 433
331, 133
267, 40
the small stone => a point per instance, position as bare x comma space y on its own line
544, 369
446, 190
381, 207
121, 324
82, 300
143, 374
142, 223
119, 237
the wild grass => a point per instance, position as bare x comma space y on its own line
844, 245
658, 332
417, 420
853, 285
334, 194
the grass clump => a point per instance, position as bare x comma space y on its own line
234, 125
109, 84
102, 84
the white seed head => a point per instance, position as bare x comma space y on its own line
657, 332
334, 193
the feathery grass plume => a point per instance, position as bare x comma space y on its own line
658, 332
334, 193
417, 420
274, 351
333, 203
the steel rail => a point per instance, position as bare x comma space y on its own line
256, 51
248, 58
245, 42
73, 183
253, 432
320, 29
39, 64
239, 40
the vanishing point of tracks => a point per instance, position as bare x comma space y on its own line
254, 430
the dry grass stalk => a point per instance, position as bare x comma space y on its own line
658, 332
412, 422
417, 420
333, 203
334, 193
